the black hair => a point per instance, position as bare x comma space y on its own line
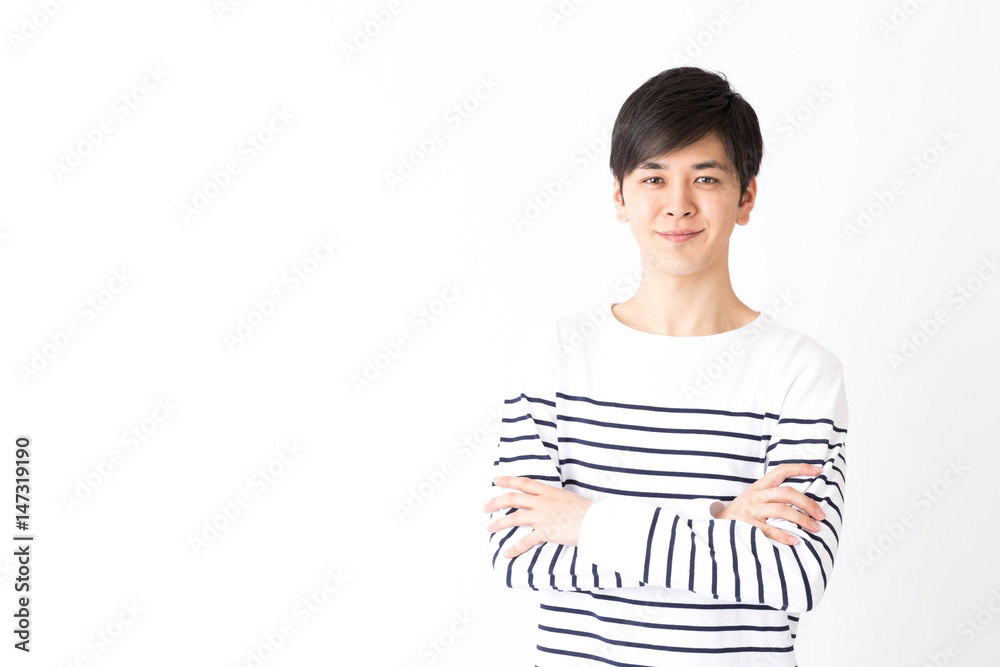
677, 108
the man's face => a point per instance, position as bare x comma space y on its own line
682, 208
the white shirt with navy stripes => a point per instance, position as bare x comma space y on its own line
656, 429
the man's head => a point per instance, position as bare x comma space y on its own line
676, 108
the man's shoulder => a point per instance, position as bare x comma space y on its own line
789, 345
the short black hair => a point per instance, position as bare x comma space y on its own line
678, 107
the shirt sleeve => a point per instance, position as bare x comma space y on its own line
732, 560
528, 447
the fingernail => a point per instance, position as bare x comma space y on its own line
821, 514
793, 540
815, 526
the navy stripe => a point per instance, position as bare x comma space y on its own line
526, 457
756, 559
781, 576
530, 399
519, 438
649, 544
789, 420
511, 420
691, 567
678, 605
816, 538
711, 554
659, 647
552, 566
659, 473
815, 462
670, 551
659, 429
531, 567
637, 494
736, 568
658, 450
826, 522
657, 408
572, 570
805, 579
506, 537
667, 626
814, 441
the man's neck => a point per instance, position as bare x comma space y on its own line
684, 306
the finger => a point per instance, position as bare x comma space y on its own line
785, 470
508, 500
512, 519
525, 484
523, 545
797, 517
778, 535
787, 494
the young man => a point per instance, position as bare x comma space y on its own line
673, 486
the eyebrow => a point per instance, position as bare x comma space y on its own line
706, 164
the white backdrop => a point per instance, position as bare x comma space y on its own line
262, 264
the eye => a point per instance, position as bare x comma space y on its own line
652, 178
711, 179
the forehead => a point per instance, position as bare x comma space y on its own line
707, 153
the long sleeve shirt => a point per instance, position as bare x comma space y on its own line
657, 430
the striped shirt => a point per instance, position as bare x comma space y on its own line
655, 430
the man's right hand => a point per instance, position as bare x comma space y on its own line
766, 499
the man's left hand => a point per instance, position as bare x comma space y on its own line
555, 514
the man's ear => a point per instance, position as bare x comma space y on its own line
749, 199
620, 213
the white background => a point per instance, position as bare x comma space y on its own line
891, 77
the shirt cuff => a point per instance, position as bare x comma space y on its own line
614, 534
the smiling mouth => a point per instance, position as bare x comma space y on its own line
678, 237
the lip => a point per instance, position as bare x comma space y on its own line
679, 236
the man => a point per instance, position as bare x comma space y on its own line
665, 521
